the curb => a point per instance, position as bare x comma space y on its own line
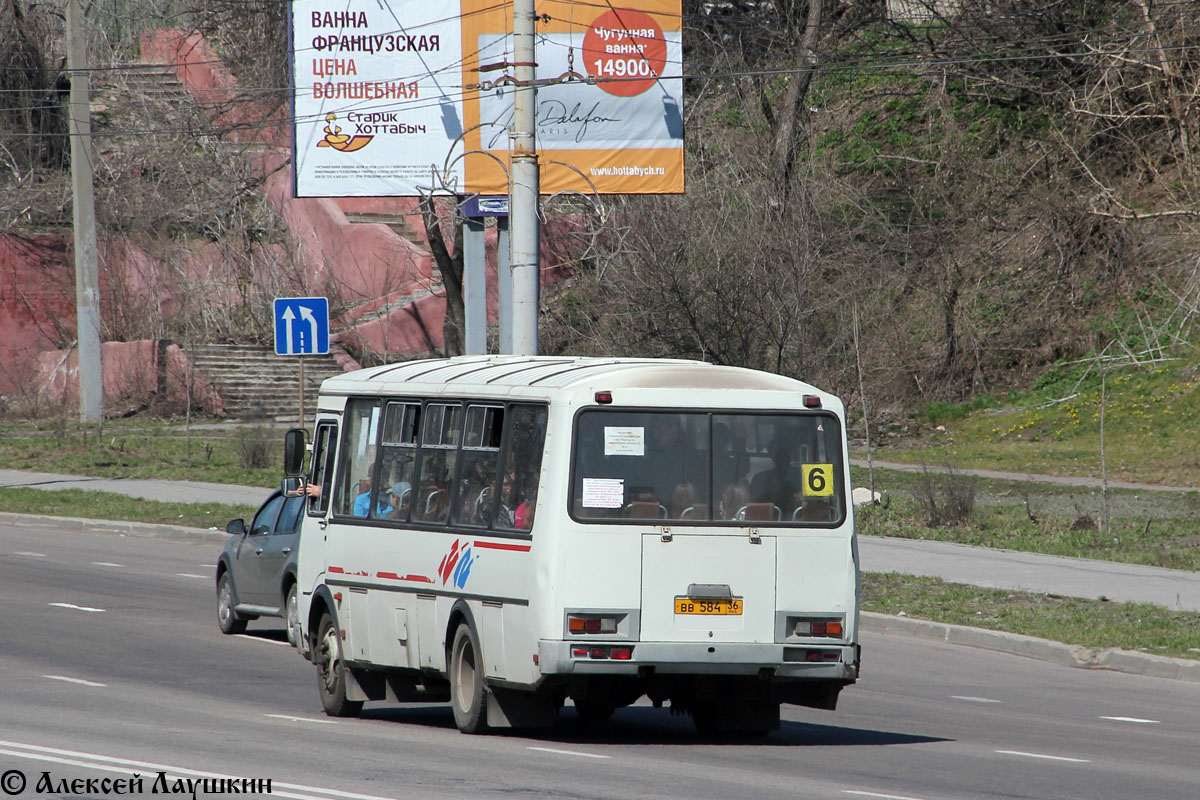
145, 530
1069, 655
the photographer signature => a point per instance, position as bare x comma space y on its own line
556, 113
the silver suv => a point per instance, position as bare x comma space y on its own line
256, 572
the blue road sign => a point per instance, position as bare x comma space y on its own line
486, 206
301, 326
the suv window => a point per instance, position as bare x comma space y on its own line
264, 520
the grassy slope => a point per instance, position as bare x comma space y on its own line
1150, 420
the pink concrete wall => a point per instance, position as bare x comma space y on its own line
212, 87
37, 305
134, 372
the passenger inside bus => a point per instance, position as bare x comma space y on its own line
362, 503
734, 499
523, 516
778, 484
399, 498
670, 459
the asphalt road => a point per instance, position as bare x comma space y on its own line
113, 665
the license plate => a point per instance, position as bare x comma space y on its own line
690, 605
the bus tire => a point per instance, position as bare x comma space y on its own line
227, 618
468, 693
331, 671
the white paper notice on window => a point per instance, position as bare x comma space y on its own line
603, 492
624, 441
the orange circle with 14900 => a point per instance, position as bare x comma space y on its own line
625, 51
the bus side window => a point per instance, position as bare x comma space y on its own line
525, 438
357, 463
478, 467
442, 429
398, 457
324, 451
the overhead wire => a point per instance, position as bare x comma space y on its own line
907, 60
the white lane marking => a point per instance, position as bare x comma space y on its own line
568, 752
80, 681
190, 575
107, 564
290, 718
27, 553
77, 608
260, 639
971, 699
1044, 756
95, 761
877, 794
1133, 719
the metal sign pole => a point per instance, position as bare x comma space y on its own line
523, 191
301, 360
474, 287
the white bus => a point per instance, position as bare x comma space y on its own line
508, 532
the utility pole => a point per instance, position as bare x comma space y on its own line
523, 191
87, 272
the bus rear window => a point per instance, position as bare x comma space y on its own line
683, 466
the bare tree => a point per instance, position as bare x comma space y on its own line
449, 259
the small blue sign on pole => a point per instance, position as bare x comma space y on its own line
301, 326
486, 206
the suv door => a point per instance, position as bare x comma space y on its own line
248, 574
276, 547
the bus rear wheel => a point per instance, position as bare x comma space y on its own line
468, 694
331, 671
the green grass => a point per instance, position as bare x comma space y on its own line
88, 504
146, 449
1088, 623
1151, 416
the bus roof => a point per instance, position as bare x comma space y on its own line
531, 376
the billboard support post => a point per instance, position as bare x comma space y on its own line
523, 190
474, 287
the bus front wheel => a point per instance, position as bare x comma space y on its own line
468, 694
331, 671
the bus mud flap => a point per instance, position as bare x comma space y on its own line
507, 708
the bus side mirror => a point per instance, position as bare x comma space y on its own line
293, 452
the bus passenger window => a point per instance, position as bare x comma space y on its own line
397, 459
359, 444
480, 459
526, 436
439, 452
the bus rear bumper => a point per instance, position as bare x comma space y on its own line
835, 662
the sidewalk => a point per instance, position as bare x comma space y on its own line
162, 490
1013, 570
1057, 480
999, 569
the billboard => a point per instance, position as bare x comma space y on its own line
389, 97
